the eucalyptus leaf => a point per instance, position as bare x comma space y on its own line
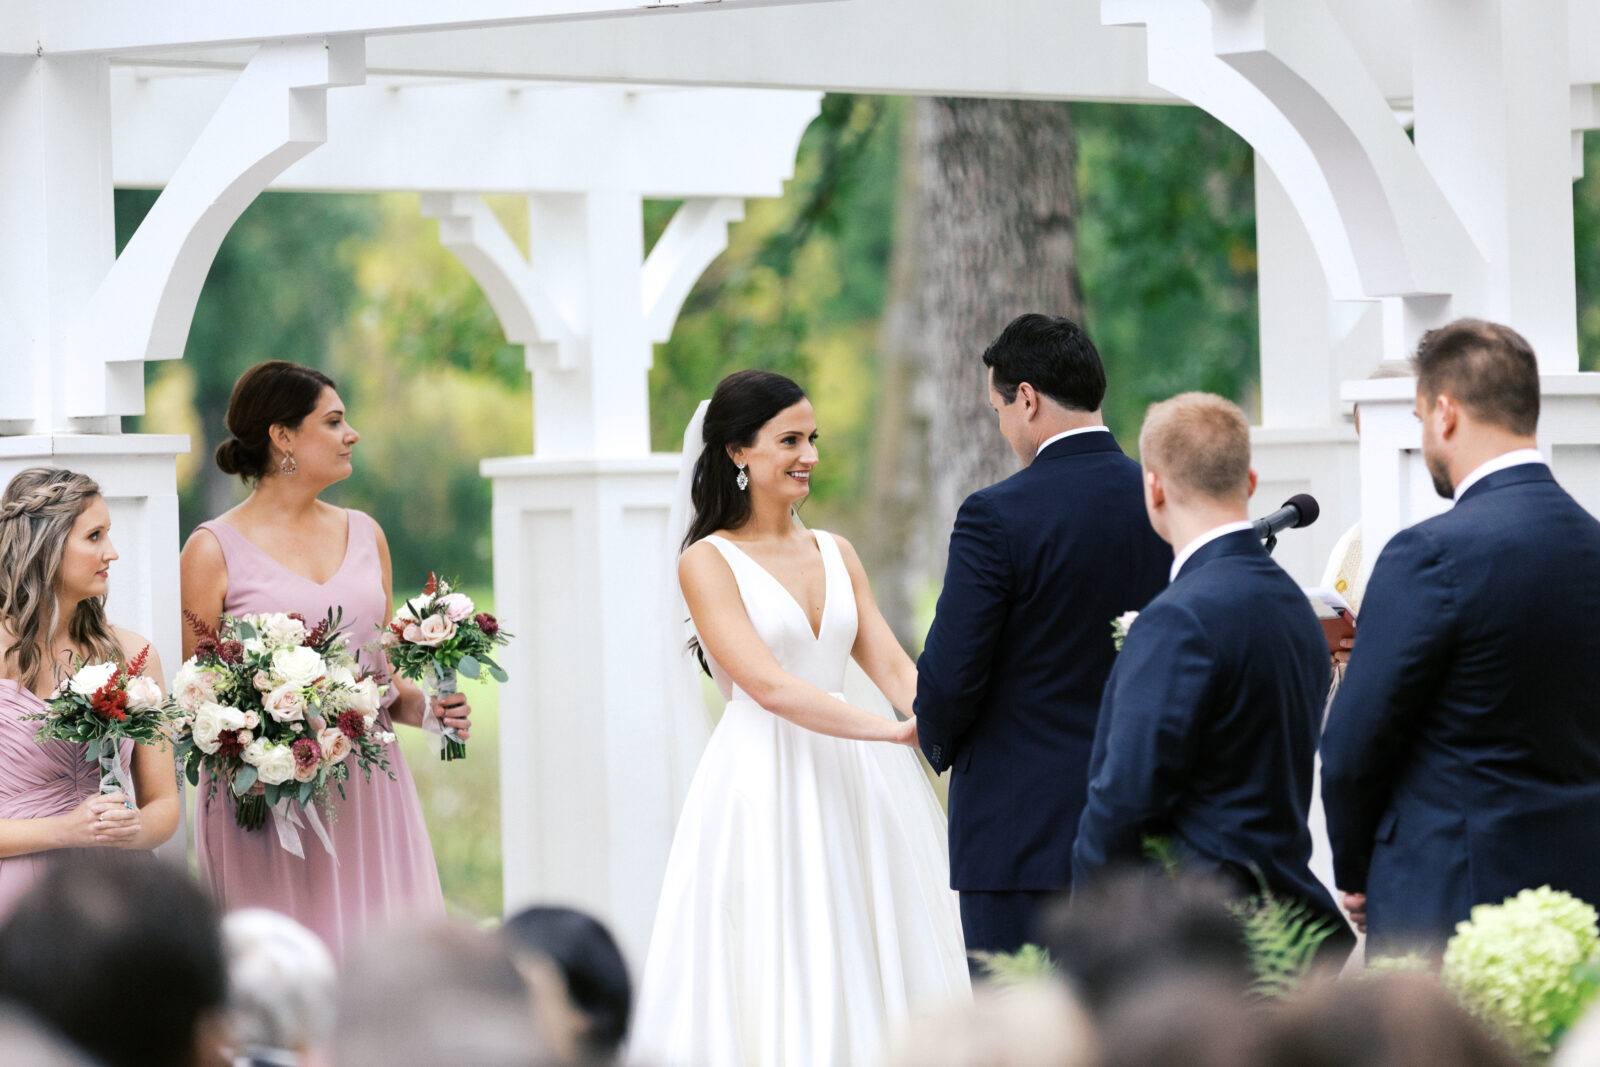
499, 674
243, 779
468, 666
247, 632
305, 792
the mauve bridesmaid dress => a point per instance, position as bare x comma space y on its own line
385, 869
36, 781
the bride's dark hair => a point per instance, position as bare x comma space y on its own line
742, 404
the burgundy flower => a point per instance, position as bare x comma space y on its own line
487, 623
307, 753
206, 646
230, 652
352, 724
228, 744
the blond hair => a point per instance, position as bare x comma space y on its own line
37, 513
1200, 444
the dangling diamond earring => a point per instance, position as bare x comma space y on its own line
743, 481
287, 464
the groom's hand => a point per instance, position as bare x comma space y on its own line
1356, 905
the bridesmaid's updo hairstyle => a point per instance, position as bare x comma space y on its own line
742, 404
274, 393
37, 512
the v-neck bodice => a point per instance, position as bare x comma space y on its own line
781, 622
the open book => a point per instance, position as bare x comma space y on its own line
1338, 618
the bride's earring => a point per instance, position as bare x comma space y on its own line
743, 481
287, 464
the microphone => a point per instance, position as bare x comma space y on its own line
1299, 510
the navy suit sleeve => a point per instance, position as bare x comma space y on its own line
953, 672
1146, 736
1401, 653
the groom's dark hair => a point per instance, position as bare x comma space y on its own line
1052, 354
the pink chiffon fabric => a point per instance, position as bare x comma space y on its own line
37, 780
385, 869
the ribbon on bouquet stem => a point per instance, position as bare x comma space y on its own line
114, 775
438, 683
286, 820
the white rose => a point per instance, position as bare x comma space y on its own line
88, 681
254, 646
231, 718
335, 745
297, 668
457, 606
431, 632
277, 765
194, 686
254, 752
280, 631
366, 696
341, 675
144, 693
207, 727
285, 704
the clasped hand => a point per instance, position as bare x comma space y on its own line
905, 733
454, 711
105, 819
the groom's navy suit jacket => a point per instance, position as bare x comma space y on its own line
1461, 761
1208, 730
1010, 677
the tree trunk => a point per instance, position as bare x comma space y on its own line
998, 238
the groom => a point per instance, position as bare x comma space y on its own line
1010, 677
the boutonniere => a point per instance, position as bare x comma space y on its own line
1120, 626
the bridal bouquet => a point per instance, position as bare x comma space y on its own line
100, 706
434, 636
272, 708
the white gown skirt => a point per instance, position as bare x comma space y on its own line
806, 907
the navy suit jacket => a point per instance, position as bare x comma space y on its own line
1461, 762
1011, 674
1208, 730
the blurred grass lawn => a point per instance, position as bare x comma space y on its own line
461, 800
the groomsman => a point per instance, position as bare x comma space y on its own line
1011, 674
1209, 723
1461, 762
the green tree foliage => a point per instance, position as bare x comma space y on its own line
1586, 245
1166, 233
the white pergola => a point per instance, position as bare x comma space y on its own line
587, 107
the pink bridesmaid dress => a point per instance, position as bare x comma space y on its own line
36, 781
384, 868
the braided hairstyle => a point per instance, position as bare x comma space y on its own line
37, 513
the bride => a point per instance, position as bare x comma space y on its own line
805, 907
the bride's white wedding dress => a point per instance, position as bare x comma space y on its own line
806, 905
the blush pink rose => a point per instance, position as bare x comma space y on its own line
335, 745
431, 632
457, 606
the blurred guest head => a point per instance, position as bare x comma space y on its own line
1195, 451
28, 1043
1477, 397
121, 953
1032, 1024
1190, 1021
580, 982
435, 994
1397, 1020
1045, 377
1133, 927
282, 987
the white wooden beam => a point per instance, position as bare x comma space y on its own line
102, 26
275, 113
696, 235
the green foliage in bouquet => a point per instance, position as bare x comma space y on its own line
1527, 967
1029, 963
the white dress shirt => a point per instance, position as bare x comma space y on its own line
1515, 458
1068, 433
1204, 539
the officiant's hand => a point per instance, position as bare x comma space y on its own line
1356, 905
1341, 655
454, 711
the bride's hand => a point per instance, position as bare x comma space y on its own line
905, 733
454, 711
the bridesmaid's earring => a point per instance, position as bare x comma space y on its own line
287, 464
743, 481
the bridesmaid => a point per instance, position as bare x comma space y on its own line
284, 549
55, 552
